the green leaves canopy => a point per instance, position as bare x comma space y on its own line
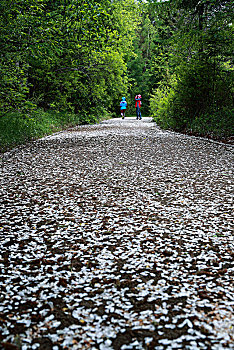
64, 54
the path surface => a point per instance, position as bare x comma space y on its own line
117, 236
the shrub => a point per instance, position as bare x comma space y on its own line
200, 98
17, 128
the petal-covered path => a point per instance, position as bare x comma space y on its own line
117, 236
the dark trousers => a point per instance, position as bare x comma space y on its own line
138, 112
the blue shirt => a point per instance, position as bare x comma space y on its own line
123, 105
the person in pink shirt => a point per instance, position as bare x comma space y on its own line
138, 106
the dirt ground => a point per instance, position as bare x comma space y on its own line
117, 236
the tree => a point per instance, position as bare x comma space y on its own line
200, 47
65, 54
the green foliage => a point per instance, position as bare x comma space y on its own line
81, 57
197, 101
218, 125
65, 55
162, 104
16, 129
140, 65
195, 91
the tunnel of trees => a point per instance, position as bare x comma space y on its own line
67, 62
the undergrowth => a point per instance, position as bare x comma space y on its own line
17, 129
217, 126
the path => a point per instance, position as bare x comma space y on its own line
117, 236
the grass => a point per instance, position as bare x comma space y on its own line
17, 129
216, 126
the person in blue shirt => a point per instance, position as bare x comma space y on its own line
123, 106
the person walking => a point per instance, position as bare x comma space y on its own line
123, 106
138, 106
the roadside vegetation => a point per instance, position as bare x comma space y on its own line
195, 94
17, 129
70, 63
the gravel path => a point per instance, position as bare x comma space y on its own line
117, 236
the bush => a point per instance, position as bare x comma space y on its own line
218, 125
17, 128
161, 105
200, 99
